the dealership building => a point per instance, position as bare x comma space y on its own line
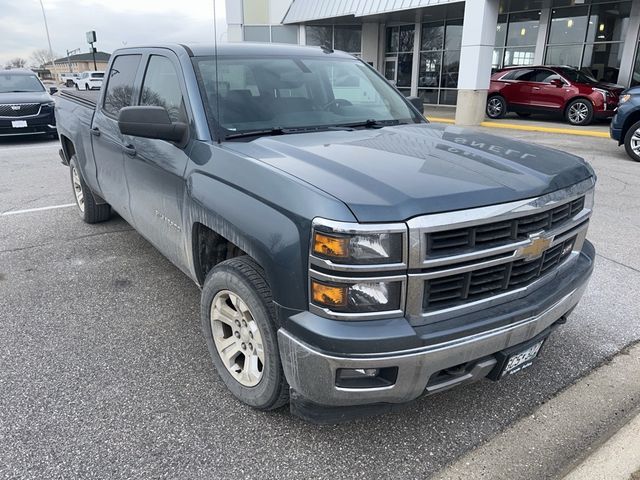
444, 50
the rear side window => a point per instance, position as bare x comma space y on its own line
161, 87
119, 92
523, 74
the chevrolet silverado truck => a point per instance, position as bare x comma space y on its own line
352, 256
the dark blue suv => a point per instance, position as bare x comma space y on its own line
625, 125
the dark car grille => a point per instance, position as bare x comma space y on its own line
463, 240
450, 291
24, 110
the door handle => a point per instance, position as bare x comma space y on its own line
535, 88
95, 131
129, 150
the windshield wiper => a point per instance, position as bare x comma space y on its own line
374, 123
285, 131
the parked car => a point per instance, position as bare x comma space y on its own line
90, 80
26, 108
67, 78
625, 125
547, 89
351, 255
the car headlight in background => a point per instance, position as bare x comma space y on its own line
624, 98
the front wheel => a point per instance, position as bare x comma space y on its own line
579, 112
90, 211
632, 142
496, 107
238, 320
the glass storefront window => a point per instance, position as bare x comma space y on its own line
516, 37
430, 63
284, 34
589, 37
432, 36
399, 54
256, 34
519, 56
450, 69
348, 38
523, 28
453, 35
569, 25
635, 76
341, 37
318, 35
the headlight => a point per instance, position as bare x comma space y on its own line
624, 98
357, 296
602, 92
334, 244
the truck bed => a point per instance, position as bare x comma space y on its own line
88, 98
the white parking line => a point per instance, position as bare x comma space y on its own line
25, 147
39, 209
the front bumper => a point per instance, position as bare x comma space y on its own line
311, 372
42, 123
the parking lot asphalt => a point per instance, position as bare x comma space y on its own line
104, 372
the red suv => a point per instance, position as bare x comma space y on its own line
576, 95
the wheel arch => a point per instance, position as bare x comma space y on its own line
632, 118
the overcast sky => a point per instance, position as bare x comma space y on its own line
117, 23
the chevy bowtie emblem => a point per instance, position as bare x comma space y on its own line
15, 107
537, 247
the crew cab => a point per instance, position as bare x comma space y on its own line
89, 80
546, 89
26, 108
351, 255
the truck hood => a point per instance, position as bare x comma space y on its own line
24, 97
396, 173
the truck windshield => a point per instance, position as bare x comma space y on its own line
275, 94
10, 83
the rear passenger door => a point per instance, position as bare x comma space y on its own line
155, 168
107, 141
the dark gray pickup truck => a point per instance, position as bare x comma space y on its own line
352, 256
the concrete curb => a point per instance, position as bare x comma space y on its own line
529, 128
562, 432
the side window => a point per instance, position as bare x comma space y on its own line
527, 75
161, 88
543, 76
119, 91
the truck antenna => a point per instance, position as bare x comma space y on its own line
215, 60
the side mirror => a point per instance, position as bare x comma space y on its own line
53, 90
557, 82
417, 102
151, 122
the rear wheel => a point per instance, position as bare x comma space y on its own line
238, 320
496, 107
579, 112
632, 142
90, 211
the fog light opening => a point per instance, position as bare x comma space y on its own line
366, 377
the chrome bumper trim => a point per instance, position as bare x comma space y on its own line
312, 374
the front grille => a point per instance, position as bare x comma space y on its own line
15, 110
454, 290
465, 240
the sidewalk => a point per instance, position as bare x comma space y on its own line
535, 123
617, 459
560, 433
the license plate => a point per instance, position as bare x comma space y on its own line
19, 123
521, 360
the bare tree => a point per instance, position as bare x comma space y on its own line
17, 62
42, 56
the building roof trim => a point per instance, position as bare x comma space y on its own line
308, 10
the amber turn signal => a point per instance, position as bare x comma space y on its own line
330, 246
328, 295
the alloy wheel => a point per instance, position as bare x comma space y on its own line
635, 142
578, 112
237, 338
494, 107
77, 188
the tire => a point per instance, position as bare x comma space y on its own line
579, 112
89, 210
523, 114
237, 309
496, 107
77, 87
632, 142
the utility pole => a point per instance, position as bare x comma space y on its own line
46, 27
91, 39
71, 52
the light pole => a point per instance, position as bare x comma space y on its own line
46, 27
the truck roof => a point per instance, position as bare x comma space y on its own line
241, 49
